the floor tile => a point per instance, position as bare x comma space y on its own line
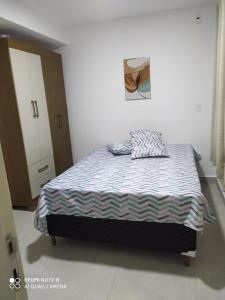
95, 271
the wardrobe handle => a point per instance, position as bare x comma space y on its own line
11, 244
34, 112
59, 121
37, 111
43, 169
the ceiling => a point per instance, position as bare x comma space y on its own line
19, 32
65, 13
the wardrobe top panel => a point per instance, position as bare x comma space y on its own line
26, 46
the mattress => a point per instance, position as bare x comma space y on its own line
165, 190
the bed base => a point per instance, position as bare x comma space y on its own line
158, 236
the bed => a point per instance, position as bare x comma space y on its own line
151, 202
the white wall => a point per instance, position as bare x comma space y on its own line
182, 57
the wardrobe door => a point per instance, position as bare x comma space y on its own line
22, 83
57, 109
39, 97
11, 133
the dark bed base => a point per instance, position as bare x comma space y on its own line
158, 236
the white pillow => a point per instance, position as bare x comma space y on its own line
121, 148
147, 143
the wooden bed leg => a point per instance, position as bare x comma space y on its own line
53, 240
186, 260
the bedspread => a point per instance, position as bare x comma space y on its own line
116, 187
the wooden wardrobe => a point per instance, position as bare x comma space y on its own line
34, 128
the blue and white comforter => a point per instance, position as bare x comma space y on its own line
165, 190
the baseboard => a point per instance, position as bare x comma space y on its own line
208, 179
220, 188
218, 202
215, 180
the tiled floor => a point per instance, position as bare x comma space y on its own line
101, 272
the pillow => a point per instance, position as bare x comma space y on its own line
121, 148
147, 143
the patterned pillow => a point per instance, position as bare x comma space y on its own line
121, 148
147, 143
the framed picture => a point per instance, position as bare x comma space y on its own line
137, 78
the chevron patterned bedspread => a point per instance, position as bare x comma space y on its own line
116, 187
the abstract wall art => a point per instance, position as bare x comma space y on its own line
137, 78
